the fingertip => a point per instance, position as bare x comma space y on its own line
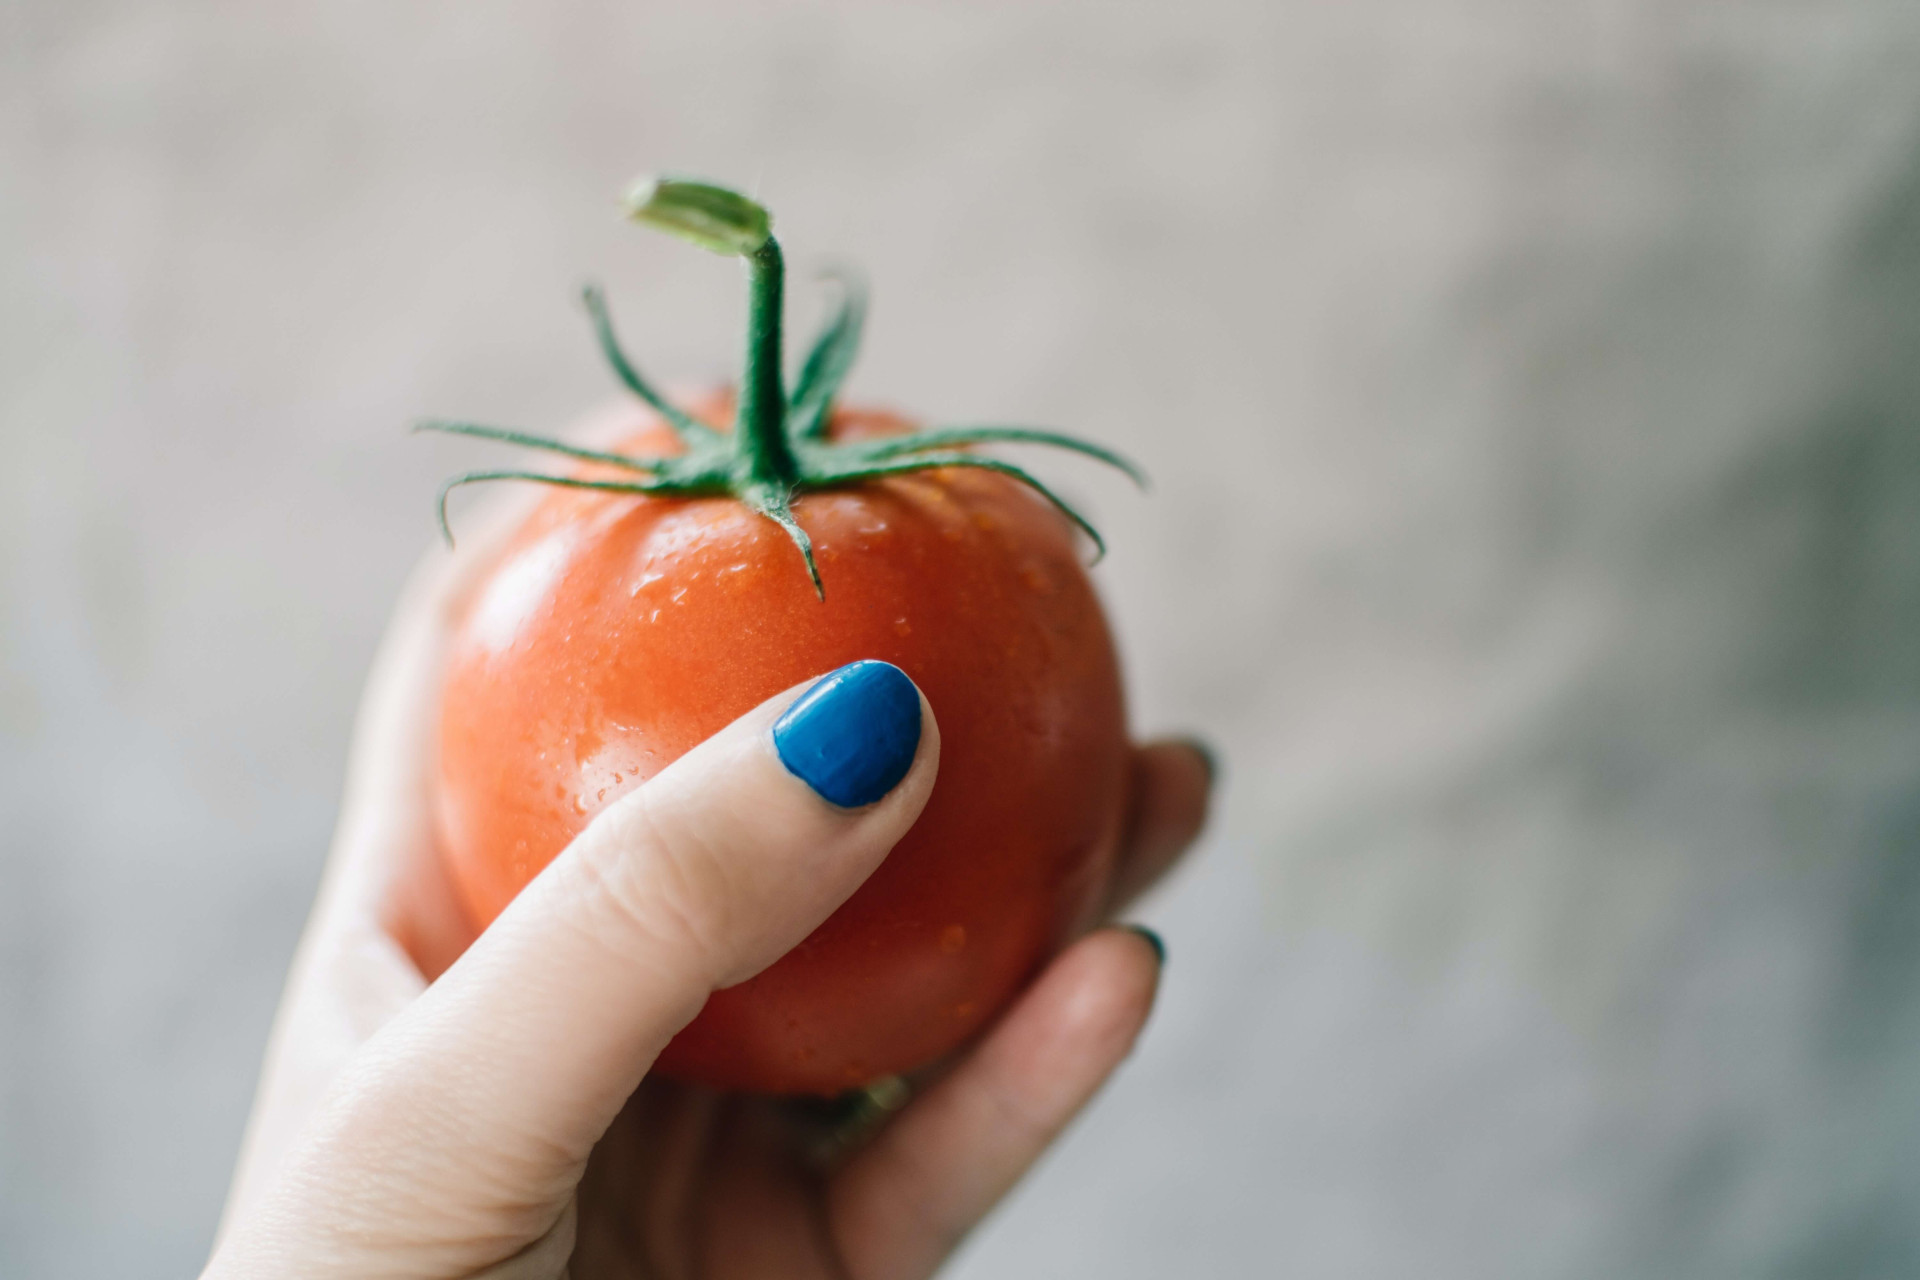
1152, 939
1094, 1000
1204, 751
1135, 971
1172, 793
1173, 789
773, 821
1189, 768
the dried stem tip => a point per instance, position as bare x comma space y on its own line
716, 219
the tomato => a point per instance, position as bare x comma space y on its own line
620, 627
617, 631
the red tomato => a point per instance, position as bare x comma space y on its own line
616, 631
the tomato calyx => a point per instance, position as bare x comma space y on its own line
779, 446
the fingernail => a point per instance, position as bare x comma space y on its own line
1153, 940
852, 736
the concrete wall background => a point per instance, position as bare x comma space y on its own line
1532, 393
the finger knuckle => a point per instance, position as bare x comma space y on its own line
646, 886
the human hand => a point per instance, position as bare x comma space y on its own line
499, 1122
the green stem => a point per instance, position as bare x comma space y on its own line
778, 450
759, 432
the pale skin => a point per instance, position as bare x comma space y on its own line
437, 1106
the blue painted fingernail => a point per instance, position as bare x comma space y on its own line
852, 736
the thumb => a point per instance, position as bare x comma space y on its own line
508, 1069
706, 875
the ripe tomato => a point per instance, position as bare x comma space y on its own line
616, 631
691, 573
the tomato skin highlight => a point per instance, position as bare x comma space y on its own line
617, 631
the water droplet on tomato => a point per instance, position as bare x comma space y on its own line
1037, 579
901, 627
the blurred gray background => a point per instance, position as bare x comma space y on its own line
1533, 392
